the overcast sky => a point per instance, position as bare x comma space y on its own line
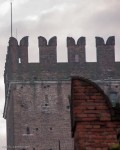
59, 18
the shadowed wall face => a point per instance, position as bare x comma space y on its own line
92, 111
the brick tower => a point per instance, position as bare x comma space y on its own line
37, 107
37, 104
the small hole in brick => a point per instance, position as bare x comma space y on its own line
36, 129
35, 78
33, 148
28, 130
116, 86
44, 87
22, 105
50, 128
46, 104
21, 87
68, 107
103, 125
48, 85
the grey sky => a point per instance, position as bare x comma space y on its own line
62, 18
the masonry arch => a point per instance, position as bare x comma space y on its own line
92, 116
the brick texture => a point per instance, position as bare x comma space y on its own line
44, 109
93, 128
37, 94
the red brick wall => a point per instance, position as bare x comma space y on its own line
91, 117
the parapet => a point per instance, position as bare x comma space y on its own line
100, 41
47, 51
53, 41
43, 42
81, 41
110, 40
13, 41
106, 53
18, 53
71, 42
24, 41
76, 52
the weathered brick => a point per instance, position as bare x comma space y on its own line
37, 113
98, 131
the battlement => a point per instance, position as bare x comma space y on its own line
17, 57
110, 41
43, 42
76, 50
80, 42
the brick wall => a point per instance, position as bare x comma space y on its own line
28, 90
10, 124
93, 127
44, 108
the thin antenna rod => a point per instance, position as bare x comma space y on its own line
16, 34
11, 18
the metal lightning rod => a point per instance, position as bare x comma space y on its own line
11, 18
16, 34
